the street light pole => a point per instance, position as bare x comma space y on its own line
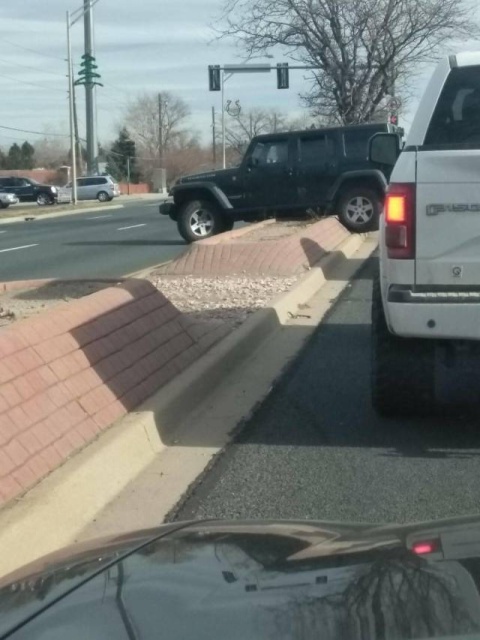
70, 99
160, 129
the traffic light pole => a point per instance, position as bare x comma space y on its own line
214, 139
224, 140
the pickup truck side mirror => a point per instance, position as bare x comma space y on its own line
384, 148
252, 162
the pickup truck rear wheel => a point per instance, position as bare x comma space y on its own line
359, 209
198, 220
403, 381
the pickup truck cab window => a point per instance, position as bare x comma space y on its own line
456, 119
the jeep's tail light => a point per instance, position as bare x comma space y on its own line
400, 221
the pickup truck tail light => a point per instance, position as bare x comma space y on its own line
400, 221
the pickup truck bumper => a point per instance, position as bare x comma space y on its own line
168, 208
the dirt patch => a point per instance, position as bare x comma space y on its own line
230, 299
277, 231
18, 305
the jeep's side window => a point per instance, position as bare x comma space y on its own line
313, 149
456, 119
274, 152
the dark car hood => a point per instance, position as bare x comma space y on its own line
254, 580
210, 176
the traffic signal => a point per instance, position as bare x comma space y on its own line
214, 81
394, 119
88, 72
283, 77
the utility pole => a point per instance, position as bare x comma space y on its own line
89, 92
71, 112
214, 140
128, 174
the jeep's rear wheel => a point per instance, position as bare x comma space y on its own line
228, 224
359, 209
198, 220
403, 369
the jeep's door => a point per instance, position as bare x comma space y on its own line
447, 251
269, 174
317, 167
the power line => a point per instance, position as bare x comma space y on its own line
38, 69
40, 133
33, 84
41, 53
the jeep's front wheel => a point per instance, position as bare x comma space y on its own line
403, 369
198, 220
359, 209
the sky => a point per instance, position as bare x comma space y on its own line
141, 46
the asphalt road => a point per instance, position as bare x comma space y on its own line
315, 449
95, 244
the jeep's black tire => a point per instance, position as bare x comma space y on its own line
198, 220
403, 369
228, 223
359, 209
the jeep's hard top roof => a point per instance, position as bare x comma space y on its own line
374, 126
465, 59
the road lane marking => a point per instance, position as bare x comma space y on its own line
99, 217
3, 232
25, 246
134, 226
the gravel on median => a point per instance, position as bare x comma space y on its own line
230, 299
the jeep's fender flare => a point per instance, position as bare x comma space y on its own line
373, 175
212, 190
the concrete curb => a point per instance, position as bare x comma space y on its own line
122, 453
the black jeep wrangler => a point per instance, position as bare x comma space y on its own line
286, 174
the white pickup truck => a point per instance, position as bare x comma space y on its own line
426, 301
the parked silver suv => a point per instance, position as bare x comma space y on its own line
102, 188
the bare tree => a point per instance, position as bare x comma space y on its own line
242, 128
142, 120
51, 152
142, 117
364, 49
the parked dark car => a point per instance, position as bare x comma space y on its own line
244, 580
325, 170
29, 190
